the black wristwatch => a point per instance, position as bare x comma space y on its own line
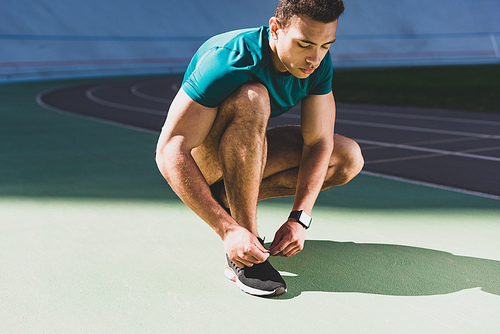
302, 217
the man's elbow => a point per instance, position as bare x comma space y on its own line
163, 162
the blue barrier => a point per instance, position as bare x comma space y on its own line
56, 39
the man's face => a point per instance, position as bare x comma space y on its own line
300, 48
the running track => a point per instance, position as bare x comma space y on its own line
442, 148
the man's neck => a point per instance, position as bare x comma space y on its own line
278, 65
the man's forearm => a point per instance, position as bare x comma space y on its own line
289, 239
183, 175
312, 172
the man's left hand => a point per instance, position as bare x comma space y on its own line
289, 239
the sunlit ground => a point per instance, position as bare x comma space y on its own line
93, 240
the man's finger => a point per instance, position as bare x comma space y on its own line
261, 247
260, 254
278, 249
287, 250
277, 240
257, 260
277, 237
238, 263
291, 252
242, 262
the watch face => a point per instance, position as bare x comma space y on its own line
304, 218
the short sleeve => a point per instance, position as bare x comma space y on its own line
323, 81
215, 76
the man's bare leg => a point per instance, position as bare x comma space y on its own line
284, 155
236, 150
256, 165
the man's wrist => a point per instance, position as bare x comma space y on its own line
292, 221
301, 217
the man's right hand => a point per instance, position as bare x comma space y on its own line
243, 248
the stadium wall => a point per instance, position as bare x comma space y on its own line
47, 39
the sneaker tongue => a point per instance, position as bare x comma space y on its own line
261, 241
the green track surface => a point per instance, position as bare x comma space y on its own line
92, 240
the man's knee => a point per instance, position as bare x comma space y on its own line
254, 92
347, 163
250, 100
355, 160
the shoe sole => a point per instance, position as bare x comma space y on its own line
230, 274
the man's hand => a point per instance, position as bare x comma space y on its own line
289, 239
243, 248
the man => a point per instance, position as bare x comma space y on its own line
215, 150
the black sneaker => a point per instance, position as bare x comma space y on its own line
259, 280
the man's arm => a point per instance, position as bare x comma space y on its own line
317, 124
188, 124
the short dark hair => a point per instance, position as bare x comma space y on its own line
324, 11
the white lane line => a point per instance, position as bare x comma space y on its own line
135, 90
494, 44
432, 185
90, 94
428, 150
421, 117
412, 157
418, 129
429, 142
40, 101
406, 128
175, 87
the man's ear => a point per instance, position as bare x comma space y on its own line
274, 26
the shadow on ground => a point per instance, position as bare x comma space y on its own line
384, 269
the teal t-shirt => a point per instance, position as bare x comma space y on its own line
226, 61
